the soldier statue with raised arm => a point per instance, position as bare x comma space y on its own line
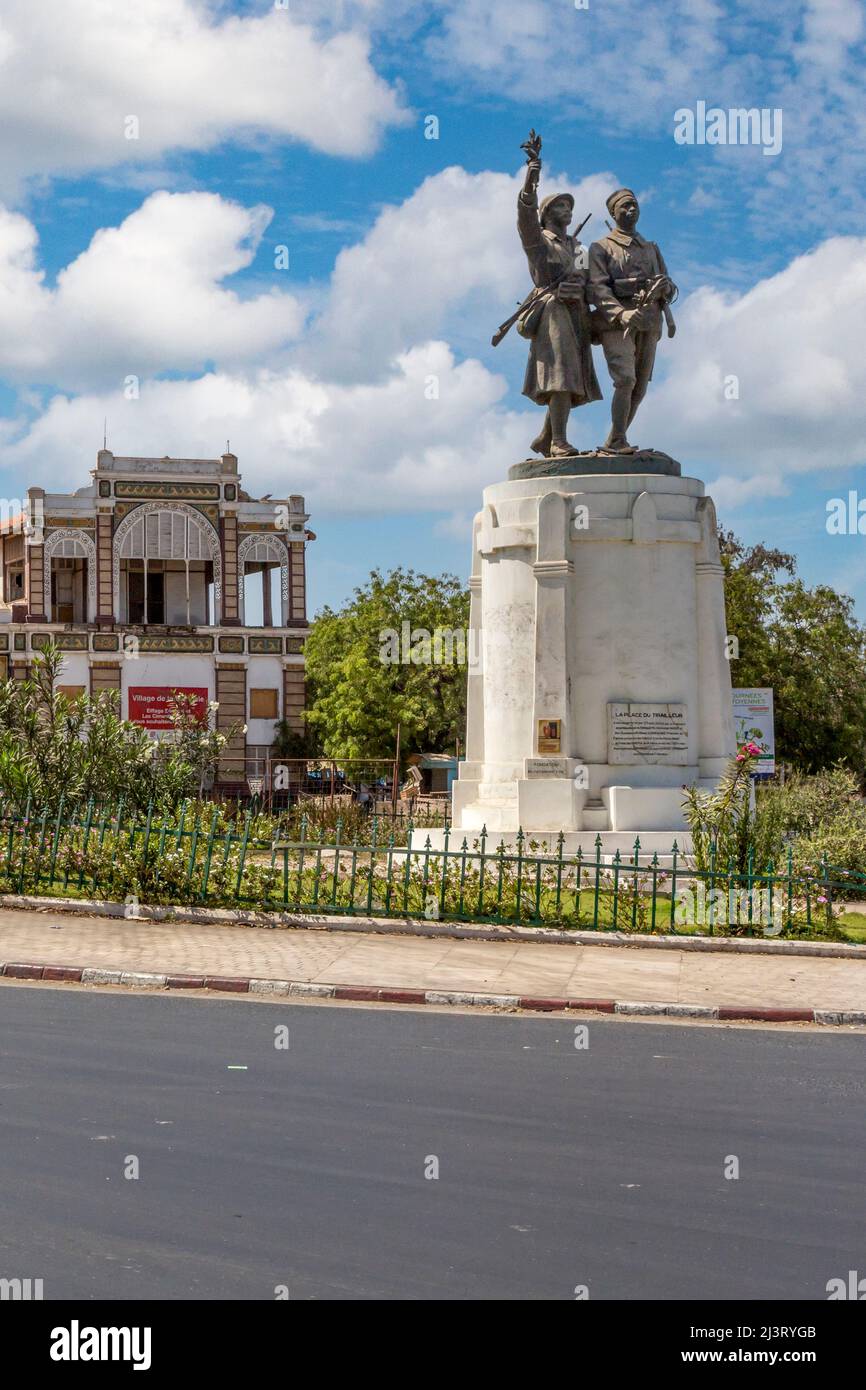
555, 316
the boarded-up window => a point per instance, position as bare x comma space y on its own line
71, 692
263, 704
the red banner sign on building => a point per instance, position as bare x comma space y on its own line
150, 705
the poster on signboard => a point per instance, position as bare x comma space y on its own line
150, 705
753, 723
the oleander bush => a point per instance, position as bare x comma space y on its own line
55, 750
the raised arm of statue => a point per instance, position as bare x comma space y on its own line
528, 225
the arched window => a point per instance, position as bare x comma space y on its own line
263, 573
69, 561
167, 567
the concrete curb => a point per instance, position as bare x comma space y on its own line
87, 975
410, 926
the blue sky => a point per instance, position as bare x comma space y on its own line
262, 125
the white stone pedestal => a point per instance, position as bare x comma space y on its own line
601, 683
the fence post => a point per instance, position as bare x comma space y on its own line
771, 877
56, 844
481, 859
790, 884
443, 878
597, 882
210, 840
147, 832
242, 859
180, 824
635, 885
25, 829
407, 865
463, 853
85, 839
192, 850
828, 901
425, 882
655, 873
37, 868
518, 906
10, 845
338, 840
302, 849
673, 922
373, 848
617, 862
389, 871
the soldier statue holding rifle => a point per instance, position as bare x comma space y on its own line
631, 291
555, 316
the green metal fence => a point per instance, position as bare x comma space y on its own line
196, 856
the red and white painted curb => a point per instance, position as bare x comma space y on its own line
96, 975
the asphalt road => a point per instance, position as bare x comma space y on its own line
557, 1167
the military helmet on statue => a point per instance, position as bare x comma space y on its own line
547, 204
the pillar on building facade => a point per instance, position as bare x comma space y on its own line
34, 558
231, 694
104, 563
297, 582
294, 696
231, 579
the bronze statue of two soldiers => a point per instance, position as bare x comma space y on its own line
616, 294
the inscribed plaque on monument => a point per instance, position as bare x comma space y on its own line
545, 767
641, 733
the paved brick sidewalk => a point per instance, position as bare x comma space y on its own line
418, 963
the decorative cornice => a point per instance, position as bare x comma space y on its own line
204, 492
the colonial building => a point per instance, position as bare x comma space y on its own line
164, 574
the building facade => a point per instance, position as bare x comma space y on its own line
164, 574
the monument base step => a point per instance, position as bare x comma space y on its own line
497, 813
595, 815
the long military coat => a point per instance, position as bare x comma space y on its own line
560, 355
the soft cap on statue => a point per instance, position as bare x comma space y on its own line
621, 195
548, 202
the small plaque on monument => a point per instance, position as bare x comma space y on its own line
545, 767
550, 735
647, 734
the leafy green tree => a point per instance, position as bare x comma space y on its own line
396, 652
808, 646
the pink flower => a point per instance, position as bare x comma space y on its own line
822, 900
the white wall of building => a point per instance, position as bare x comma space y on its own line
75, 670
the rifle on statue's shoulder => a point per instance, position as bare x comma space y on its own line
527, 304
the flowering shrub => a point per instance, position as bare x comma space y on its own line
56, 751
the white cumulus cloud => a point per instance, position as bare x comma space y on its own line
72, 73
143, 298
793, 344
